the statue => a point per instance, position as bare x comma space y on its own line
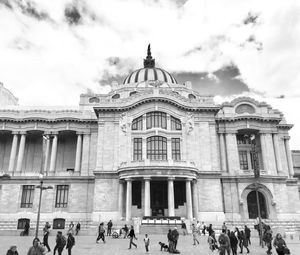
189, 123
123, 122
149, 50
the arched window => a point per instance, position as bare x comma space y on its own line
94, 100
116, 96
157, 148
156, 119
191, 96
252, 205
137, 123
175, 124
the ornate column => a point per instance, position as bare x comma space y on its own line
223, 152
147, 197
21, 151
277, 153
48, 139
171, 203
13, 152
53, 153
128, 198
195, 198
121, 196
288, 156
263, 150
189, 207
78, 152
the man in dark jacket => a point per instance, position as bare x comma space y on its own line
26, 229
46, 231
175, 237
70, 243
101, 232
132, 235
248, 234
60, 243
77, 228
109, 226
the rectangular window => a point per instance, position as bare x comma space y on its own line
175, 124
62, 193
156, 120
137, 124
176, 149
27, 196
137, 149
243, 160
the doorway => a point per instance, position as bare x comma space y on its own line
252, 205
159, 197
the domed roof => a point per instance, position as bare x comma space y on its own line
149, 72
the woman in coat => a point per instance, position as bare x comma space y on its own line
37, 248
233, 242
70, 243
279, 244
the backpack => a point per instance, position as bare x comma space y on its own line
222, 239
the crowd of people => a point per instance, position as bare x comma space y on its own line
228, 242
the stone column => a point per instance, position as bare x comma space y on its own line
13, 152
121, 196
168, 122
128, 199
85, 155
195, 198
289, 156
277, 153
189, 207
48, 138
232, 153
263, 150
171, 202
223, 153
21, 152
78, 153
169, 148
144, 148
53, 153
147, 197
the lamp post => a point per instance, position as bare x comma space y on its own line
41, 187
256, 176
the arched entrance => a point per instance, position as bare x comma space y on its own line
252, 205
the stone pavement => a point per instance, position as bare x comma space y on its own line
86, 245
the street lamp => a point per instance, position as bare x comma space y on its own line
255, 166
41, 187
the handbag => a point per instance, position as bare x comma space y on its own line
286, 250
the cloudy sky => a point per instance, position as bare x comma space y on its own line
51, 51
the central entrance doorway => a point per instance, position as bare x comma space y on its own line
159, 197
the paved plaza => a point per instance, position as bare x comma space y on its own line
86, 245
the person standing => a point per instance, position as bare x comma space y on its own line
101, 232
26, 229
183, 227
203, 227
71, 227
12, 250
147, 242
131, 236
224, 228
210, 229
77, 229
267, 238
233, 243
46, 231
224, 242
212, 242
125, 230
279, 244
194, 233
37, 248
70, 243
170, 241
175, 237
248, 234
109, 226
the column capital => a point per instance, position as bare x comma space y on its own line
189, 179
22, 132
54, 133
286, 137
15, 132
128, 179
171, 178
79, 133
121, 181
47, 133
147, 178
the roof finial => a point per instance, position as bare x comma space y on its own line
149, 62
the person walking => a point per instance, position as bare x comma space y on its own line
212, 242
224, 228
147, 242
203, 227
183, 227
267, 238
279, 244
26, 229
36, 248
224, 242
210, 229
60, 243
248, 234
70, 243
46, 231
12, 250
233, 243
198, 226
175, 237
101, 232
170, 241
238, 236
71, 228
244, 241
125, 230
194, 233
77, 229
131, 236
109, 226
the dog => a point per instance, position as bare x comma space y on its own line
163, 246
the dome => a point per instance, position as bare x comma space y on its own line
149, 72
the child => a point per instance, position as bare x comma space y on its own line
147, 242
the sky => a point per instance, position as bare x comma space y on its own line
52, 51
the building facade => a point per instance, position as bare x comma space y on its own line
150, 147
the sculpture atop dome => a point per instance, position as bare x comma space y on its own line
149, 61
